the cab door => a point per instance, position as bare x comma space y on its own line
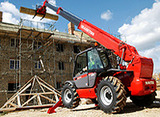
81, 72
94, 64
87, 65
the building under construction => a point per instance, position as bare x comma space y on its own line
34, 48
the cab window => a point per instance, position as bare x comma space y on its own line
81, 64
102, 54
94, 62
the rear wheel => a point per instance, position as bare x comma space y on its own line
143, 101
111, 95
69, 96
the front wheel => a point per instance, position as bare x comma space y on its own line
143, 101
111, 95
70, 97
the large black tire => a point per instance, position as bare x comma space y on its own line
69, 96
143, 101
111, 95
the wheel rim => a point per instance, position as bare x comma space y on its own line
106, 95
67, 95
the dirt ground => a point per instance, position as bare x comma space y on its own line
90, 111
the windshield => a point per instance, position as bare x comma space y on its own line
94, 61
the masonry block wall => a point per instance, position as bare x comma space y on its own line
50, 55
57, 59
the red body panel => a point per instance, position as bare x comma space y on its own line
137, 86
87, 93
82, 76
141, 86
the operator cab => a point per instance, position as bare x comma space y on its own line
88, 65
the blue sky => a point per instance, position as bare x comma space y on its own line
122, 11
137, 21
91, 10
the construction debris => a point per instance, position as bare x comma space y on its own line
36, 93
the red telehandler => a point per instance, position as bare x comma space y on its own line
94, 77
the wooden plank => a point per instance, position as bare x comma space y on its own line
32, 12
58, 93
26, 107
7, 109
47, 88
32, 85
14, 105
45, 93
40, 84
55, 94
35, 106
19, 101
39, 100
25, 88
47, 98
29, 100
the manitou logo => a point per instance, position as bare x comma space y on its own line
149, 82
87, 30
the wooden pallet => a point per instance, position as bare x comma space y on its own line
32, 12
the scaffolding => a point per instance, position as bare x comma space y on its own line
35, 49
34, 53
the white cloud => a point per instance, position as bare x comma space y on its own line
10, 8
8, 17
107, 15
144, 33
10, 12
153, 53
53, 2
